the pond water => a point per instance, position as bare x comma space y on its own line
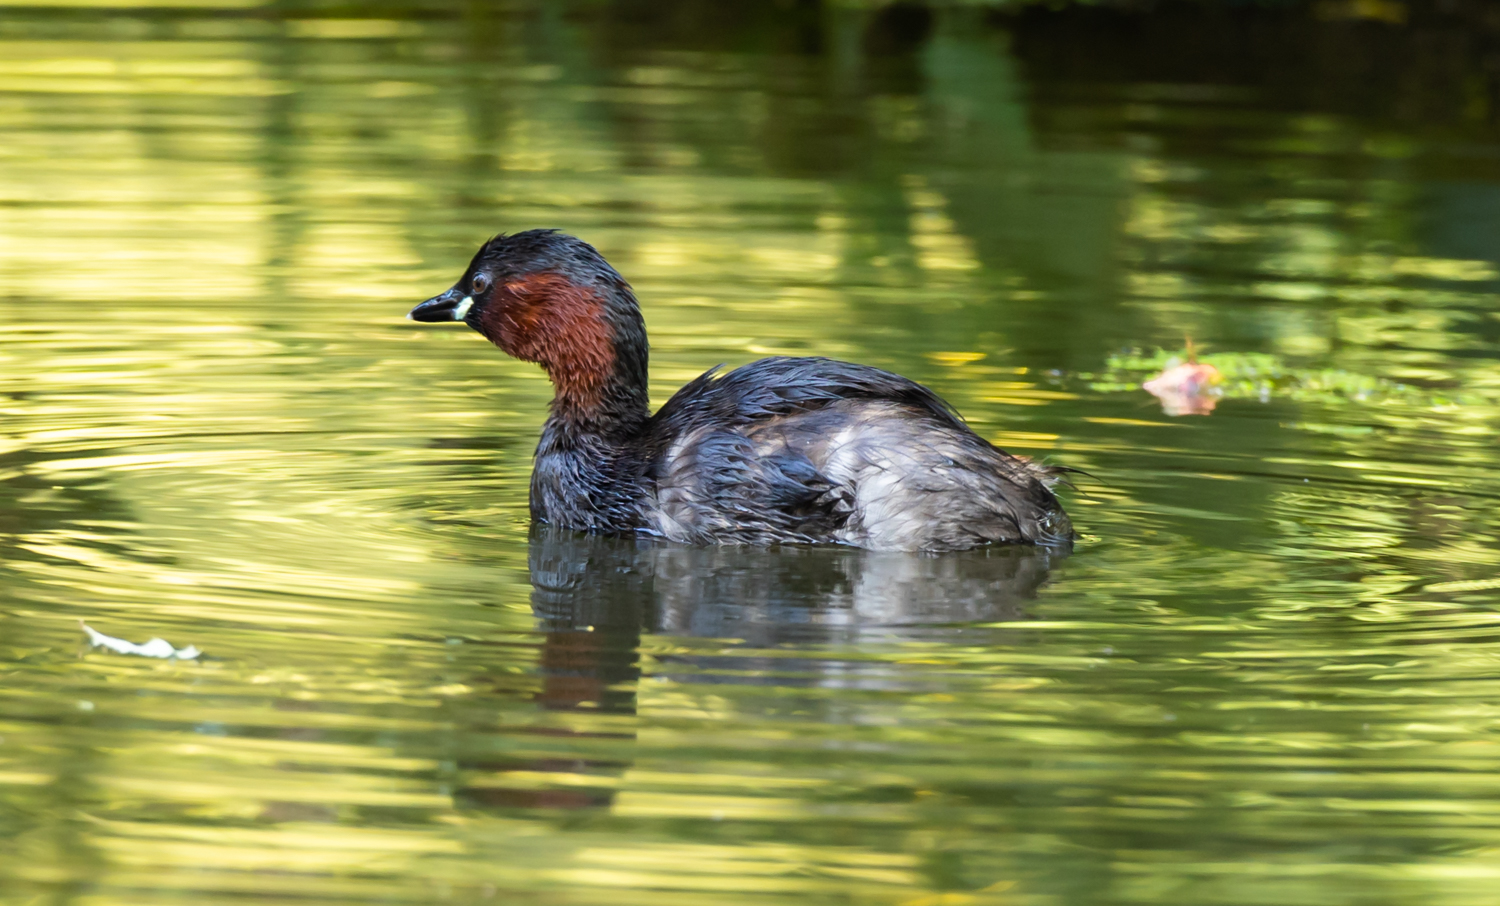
1268, 674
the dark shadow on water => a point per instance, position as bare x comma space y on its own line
595, 597
772, 596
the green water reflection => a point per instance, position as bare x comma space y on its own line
1269, 674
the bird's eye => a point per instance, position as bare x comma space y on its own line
480, 283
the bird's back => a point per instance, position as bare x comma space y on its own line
812, 449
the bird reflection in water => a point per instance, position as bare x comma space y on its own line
822, 593
595, 596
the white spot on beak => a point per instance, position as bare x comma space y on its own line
461, 310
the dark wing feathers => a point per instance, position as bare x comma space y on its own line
750, 455
783, 385
725, 484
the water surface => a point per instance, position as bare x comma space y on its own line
1269, 674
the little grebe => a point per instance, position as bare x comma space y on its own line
780, 450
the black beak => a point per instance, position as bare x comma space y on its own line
450, 306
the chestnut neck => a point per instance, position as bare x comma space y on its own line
590, 339
612, 405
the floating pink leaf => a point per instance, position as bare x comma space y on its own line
1187, 388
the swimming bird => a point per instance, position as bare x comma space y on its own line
782, 450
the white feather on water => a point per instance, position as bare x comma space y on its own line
157, 648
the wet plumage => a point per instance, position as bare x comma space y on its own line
779, 450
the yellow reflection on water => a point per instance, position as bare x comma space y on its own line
1268, 668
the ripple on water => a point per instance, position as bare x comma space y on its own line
1265, 676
